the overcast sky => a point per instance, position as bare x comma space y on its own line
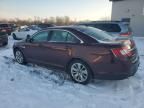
76, 9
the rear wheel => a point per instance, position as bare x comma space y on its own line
80, 72
19, 57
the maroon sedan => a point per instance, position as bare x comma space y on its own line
83, 52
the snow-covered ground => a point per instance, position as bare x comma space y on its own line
32, 86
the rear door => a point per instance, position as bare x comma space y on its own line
33, 50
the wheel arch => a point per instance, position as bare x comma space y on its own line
17, 48
77, 58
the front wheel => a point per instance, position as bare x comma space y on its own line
80, 72
19, 57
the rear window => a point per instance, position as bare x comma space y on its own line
107, 27
3, 25
126, 28
96, 33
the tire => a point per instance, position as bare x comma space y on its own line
80, 72
19, 56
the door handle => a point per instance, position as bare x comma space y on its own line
69, 50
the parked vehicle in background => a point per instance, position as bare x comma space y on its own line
13, 27
22, 33
34, 27
45, 26
84, 52
24, 26
6, 27
3, 38
114, 27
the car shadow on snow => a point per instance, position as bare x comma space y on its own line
54, 76
58, 77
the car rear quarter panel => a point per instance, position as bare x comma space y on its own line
95, 56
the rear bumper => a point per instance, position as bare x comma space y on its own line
118, 71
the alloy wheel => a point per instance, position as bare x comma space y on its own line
79, 72
19, 57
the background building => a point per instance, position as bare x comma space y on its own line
130, 10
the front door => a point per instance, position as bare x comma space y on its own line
34, 52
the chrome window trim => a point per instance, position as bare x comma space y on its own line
81, 41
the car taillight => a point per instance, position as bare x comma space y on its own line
122, 52
126, 34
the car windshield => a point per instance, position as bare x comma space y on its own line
96, 33
126, 28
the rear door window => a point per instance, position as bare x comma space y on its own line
62, 36
72, 39
58, 36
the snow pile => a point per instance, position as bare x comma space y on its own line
36, 87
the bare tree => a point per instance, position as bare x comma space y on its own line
65, 20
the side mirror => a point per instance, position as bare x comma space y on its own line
28, 38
